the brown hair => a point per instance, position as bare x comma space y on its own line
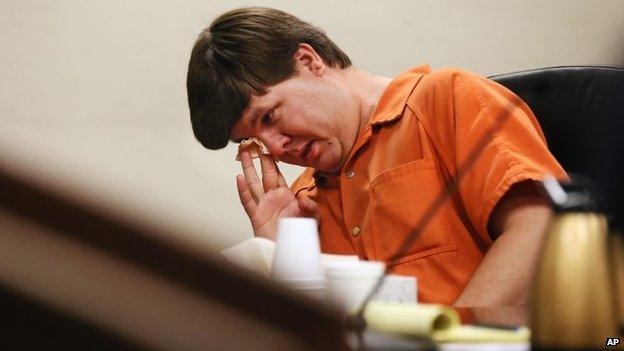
242, 52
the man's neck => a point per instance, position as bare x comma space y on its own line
367, 88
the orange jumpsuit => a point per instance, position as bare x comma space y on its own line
423, 129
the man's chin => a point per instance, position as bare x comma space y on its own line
328, 169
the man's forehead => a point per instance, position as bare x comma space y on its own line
256, 100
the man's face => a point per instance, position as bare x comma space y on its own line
308, 120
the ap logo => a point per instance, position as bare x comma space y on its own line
612, 341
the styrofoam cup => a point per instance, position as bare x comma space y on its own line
297, 252
348, 283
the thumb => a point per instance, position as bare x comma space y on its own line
308, 207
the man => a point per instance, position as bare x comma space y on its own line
378, 152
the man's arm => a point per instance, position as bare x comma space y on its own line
518, 225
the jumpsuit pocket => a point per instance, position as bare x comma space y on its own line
399, 198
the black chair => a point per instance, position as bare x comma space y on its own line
581, 111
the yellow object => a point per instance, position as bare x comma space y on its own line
478, 334
436, 322
617, 260
573, 305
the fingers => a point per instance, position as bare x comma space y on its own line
254, 184
272, 178
270, 173
249, 204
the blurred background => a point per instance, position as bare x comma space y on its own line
92, 95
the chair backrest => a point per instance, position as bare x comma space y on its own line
581, 111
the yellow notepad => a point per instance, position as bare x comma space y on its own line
436, 322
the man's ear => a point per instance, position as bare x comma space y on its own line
307, 59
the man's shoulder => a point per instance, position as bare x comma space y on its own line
438, 90
448, 77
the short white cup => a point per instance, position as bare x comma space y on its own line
349, 283
297, 258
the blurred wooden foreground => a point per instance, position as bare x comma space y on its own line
74, 274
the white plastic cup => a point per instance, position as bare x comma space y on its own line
349, 283
297, 259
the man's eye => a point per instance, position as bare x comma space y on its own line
266, 119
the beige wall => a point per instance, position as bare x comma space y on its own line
92, 92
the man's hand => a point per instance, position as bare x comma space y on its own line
267, 200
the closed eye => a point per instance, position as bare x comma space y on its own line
267, 119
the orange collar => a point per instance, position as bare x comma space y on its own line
394, 98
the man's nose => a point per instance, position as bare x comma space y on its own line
277, 145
